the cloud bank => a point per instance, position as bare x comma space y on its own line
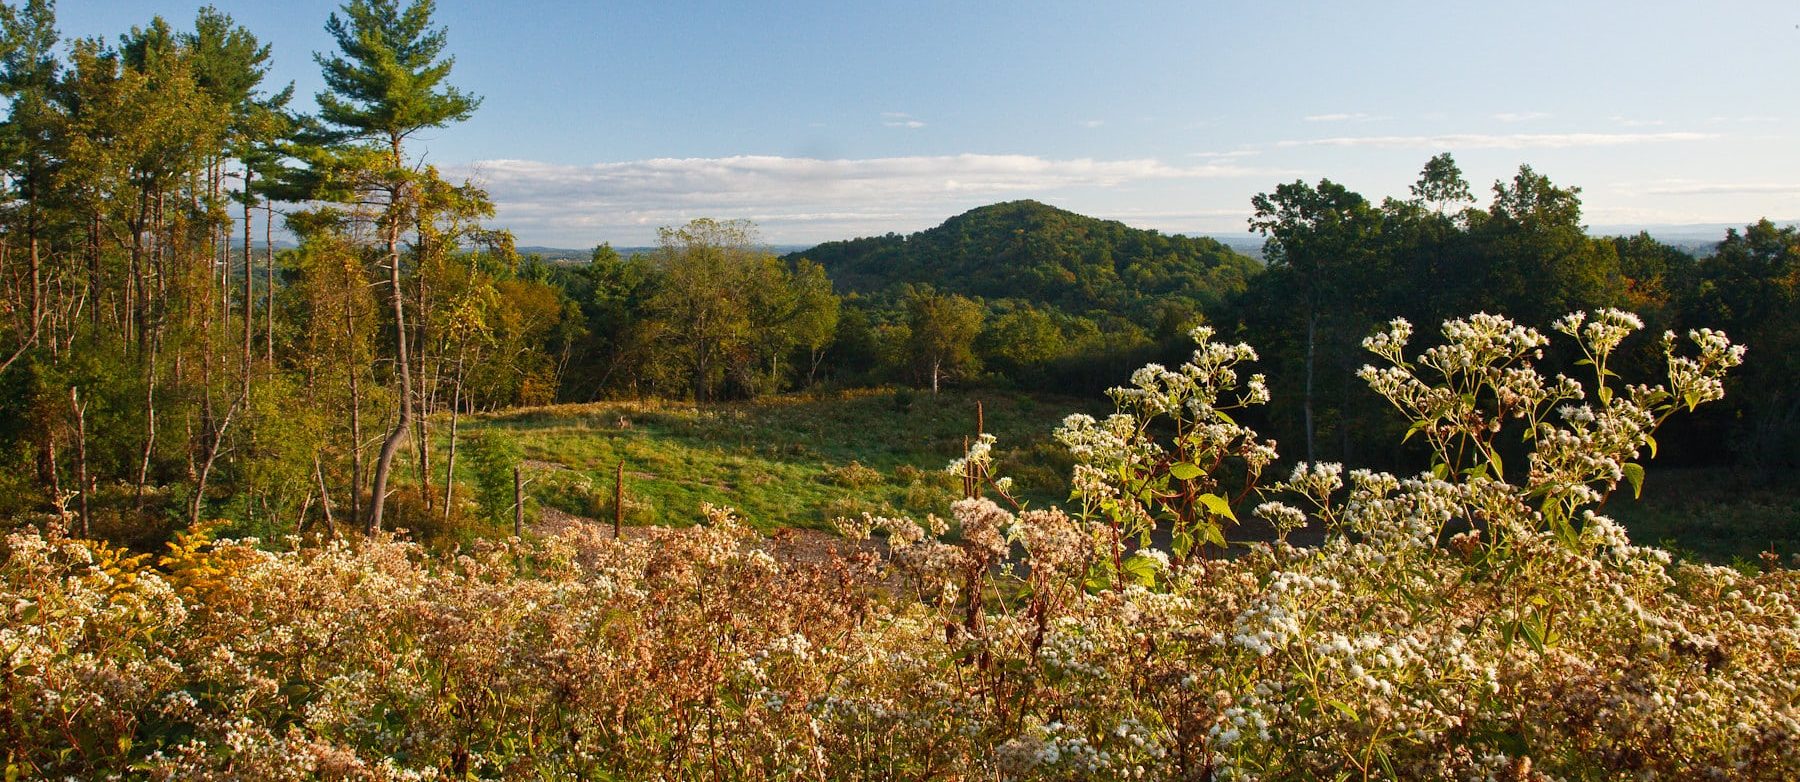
793, 199
1501, 141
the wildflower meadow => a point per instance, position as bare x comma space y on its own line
1482, 619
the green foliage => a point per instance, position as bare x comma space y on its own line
388, 80
711, 314
1751, 286
941, 331
492, 456
1028, 250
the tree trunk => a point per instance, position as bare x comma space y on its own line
214, 440
424, 449
324, 495
397, 298
450, 458
83, 488
37, 285
93, 264
812, 370
269, 285
143, 475
249, 295
426, 393
136, 293
356, 439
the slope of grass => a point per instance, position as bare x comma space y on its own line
803, 460
788, 461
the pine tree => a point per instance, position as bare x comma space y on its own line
386, 84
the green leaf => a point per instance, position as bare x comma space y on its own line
1534, 633
1213, 534
1499, 467
1185, 471
1387, 765
1414, 429
1342, 707
1634, 473
1219, 506
1651, 441
1586, 362
1141, 570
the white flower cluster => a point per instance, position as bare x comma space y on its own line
984, 527
1317, 480
980, 456
1052, 745
1107, 443
1283, 517
1274, 619
1701, 379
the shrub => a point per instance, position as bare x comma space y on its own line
492, 456
851, 476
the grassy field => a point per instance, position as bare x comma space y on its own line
790, 461
804, 460
1712, 514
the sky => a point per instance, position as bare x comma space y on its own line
601, 121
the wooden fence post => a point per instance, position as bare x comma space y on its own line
619, 499
518, 503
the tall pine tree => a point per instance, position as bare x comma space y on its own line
386, 84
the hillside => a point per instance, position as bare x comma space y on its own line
1033, 251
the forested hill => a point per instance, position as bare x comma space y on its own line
1033, 251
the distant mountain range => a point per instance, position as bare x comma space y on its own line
1692, 238
585, 253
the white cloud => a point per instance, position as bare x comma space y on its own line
1521, 116
1355, 116
1722, 188
1631, 122
1748, 119
900, 119
794, 199
1500, 141
1092, 123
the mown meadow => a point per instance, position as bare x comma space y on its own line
787, 461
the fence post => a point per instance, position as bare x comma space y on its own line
618, 499
518, 503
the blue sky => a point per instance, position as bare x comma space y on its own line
823, 120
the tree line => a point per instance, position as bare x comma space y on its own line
1340, 264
